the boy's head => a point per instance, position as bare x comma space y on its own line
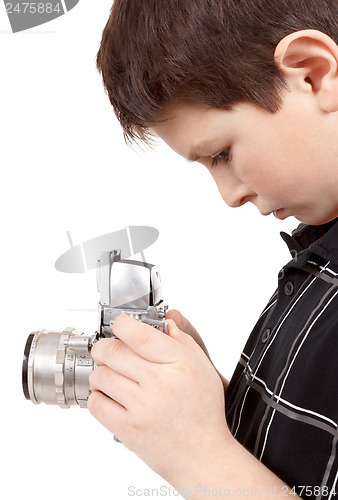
238, 77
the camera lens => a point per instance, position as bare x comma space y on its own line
56, 368
25, 366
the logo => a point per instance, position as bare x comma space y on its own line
26, 15
83, 257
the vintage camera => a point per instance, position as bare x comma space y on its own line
57, 365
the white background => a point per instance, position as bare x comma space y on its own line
65, 167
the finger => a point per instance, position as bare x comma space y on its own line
176, 316
146, 340
182, 322
106, 411
119, 357
185, 325
115, 386
183, 338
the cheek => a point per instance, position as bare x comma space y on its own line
256, 170
269, 169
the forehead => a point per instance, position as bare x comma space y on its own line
191, 130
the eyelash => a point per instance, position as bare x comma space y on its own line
223, 156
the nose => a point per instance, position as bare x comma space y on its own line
235, 202
236, 196
233, 190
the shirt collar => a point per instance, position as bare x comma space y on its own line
319, 240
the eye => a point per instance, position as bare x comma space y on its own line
223, 156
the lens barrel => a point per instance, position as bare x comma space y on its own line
56, 368
25, 366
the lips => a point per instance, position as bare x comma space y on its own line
280, 214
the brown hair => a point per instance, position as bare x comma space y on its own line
208, 52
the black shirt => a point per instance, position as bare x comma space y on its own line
282, 401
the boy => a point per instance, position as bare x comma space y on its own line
249, 89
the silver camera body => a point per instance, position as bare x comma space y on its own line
56, 365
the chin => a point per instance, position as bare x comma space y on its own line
315, 220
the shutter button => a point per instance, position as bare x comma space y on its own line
266, 335
288, 288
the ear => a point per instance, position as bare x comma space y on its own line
308, 60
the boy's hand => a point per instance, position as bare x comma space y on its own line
161, 396
185, 325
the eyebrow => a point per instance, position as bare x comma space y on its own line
196, 151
